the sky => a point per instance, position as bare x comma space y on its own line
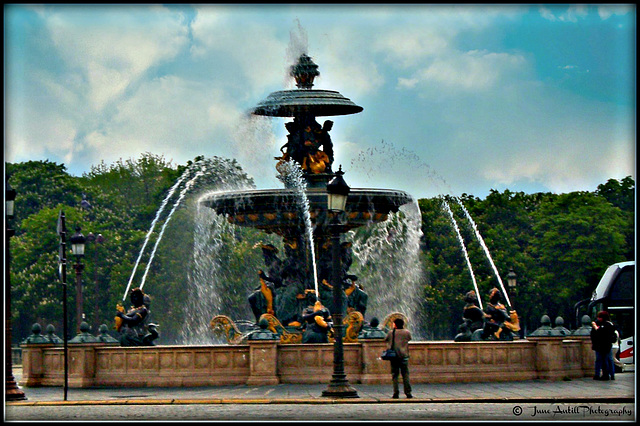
456, 99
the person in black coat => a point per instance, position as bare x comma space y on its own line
602, 338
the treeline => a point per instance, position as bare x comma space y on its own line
558, 244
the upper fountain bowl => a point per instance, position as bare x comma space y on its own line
305, 100
319, 103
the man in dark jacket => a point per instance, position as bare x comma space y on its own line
398, 339
602, 337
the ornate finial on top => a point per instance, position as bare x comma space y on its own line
304, 72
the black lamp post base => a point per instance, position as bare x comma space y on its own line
340, 389
13, 392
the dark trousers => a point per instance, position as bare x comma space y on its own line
400, 366
604, 362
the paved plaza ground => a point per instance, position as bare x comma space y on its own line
579, 399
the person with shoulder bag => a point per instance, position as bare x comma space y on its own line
398, 340
602, 338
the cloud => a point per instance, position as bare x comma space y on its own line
438, 84
607, 11
50, 135
345, 64
548, 142
409, 47
429, 56
170, 115
250, 50
467, 71
109, 49
572, 14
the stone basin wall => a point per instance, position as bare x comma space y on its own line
268, 363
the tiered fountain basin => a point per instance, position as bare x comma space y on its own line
320, 103
278, 210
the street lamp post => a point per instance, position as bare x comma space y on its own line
337, 193
512, 284
512, 281
77, 241
12, 391
61, 229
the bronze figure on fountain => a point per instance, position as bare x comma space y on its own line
304, 141
317, 321
134, 326
473, 318
494, 323
283, 291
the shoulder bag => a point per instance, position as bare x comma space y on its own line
390, 354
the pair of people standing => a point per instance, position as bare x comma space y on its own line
398, 339
603, 336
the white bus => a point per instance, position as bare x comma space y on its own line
615, 294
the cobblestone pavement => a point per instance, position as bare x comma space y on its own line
378, 412
577, 399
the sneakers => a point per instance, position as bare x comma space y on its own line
411, 396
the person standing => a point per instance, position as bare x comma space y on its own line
602, 338
398, 339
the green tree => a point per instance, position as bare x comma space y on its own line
35, 282
577, 235
38, 185
133, 186
622, 194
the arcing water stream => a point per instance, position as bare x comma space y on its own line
184, 191
184, 175
486, 251
446, 207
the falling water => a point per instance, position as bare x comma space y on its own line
183, 193
387, 263
386, 156
210, 289
486, 250
206, 298
184, 175
445, 205
298, 45
226, 176
292, 176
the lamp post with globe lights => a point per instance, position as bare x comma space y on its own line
337, 193
12, 391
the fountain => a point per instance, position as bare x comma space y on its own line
268, 349
298, 212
